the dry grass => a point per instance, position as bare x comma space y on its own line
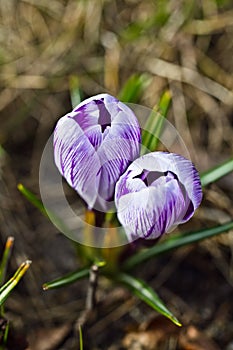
186, 46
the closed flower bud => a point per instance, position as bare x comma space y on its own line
93, 146
157, 192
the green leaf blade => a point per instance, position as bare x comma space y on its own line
80, 338
155, 122
217, 172
5, 258
144, 292
133, 88
32, 198
67, 279
6, 289
176, 241
75, 93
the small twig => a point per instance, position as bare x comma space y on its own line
91, 292
90, 299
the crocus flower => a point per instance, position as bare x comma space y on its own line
93, 146
157, 192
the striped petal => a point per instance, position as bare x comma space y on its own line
76, 159
180, 166
155, 195
94, 144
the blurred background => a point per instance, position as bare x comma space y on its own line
50, 47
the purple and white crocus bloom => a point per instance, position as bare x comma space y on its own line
93, 146
157, 192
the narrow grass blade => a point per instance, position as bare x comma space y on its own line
133, 88
32, 198
6, 289
67, 279
176, 241
217, 172
143, 291
2, 152
80, 338
5, 258
154, 125
75, 93
6, 333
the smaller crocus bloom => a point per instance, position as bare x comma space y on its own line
157, 192
93, 146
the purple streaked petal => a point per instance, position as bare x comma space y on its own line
112, 106
124, 186
97, 140
95, 136
106, 98
86, 116
180, 166
115, 155
125, 125
152, 211
96, 110
76, 159
120, 147
135, 213
154, 195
